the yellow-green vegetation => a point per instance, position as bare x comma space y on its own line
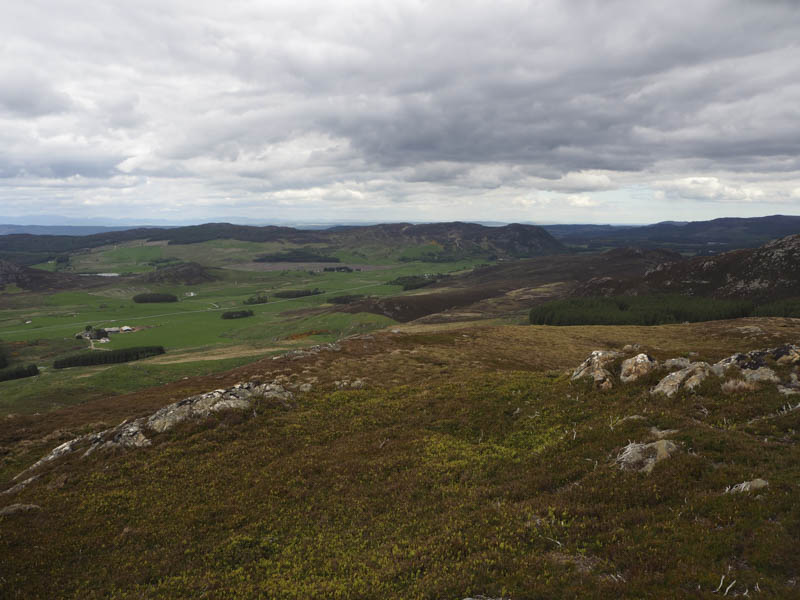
469, 465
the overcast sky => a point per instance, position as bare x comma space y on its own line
549, 111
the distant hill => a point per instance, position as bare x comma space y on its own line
462, 239
458, 238
37, 280
701, 237
512, 286
767, 273
73, 230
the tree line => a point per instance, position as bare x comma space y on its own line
85, 359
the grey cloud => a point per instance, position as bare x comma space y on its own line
406, 100
24, 93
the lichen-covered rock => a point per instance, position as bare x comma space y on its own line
14, 509
20, 486
636, 367
685, 379
643, 457
747, 486
595, 367
673, 364
787, 355
762, 374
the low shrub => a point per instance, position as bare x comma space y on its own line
19, 372
153, 297
257, 299
104, 358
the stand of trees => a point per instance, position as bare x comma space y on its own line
257, 299
19, 372
638, 310
298, 293
85, 359
237, 314
153, 297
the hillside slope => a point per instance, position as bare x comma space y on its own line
506, 288
420, 464
37, 280
767, 273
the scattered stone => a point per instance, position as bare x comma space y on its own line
762, 374
787, 355
13, 509
788, 391
595, 367
643, 457
633, 418
746, 486
358, 384
636, 367
686, 379
630, 348
750, 330
673, 364
305, 387
20, 486
660, 434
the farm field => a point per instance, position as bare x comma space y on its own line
40, 327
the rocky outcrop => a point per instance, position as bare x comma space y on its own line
302, 353
685, 379
643, 457
636, 367
750, 370
134, 434
596, 366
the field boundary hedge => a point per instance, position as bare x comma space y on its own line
152, 297
19, 372
86, 359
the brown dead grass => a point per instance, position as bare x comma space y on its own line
216, 354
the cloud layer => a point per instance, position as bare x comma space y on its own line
561, 110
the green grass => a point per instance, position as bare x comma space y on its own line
192, 323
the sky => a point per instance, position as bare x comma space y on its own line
550, 111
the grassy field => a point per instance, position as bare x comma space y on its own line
41, 327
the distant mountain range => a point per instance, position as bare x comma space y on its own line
697, 237
29, 245
447, 240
